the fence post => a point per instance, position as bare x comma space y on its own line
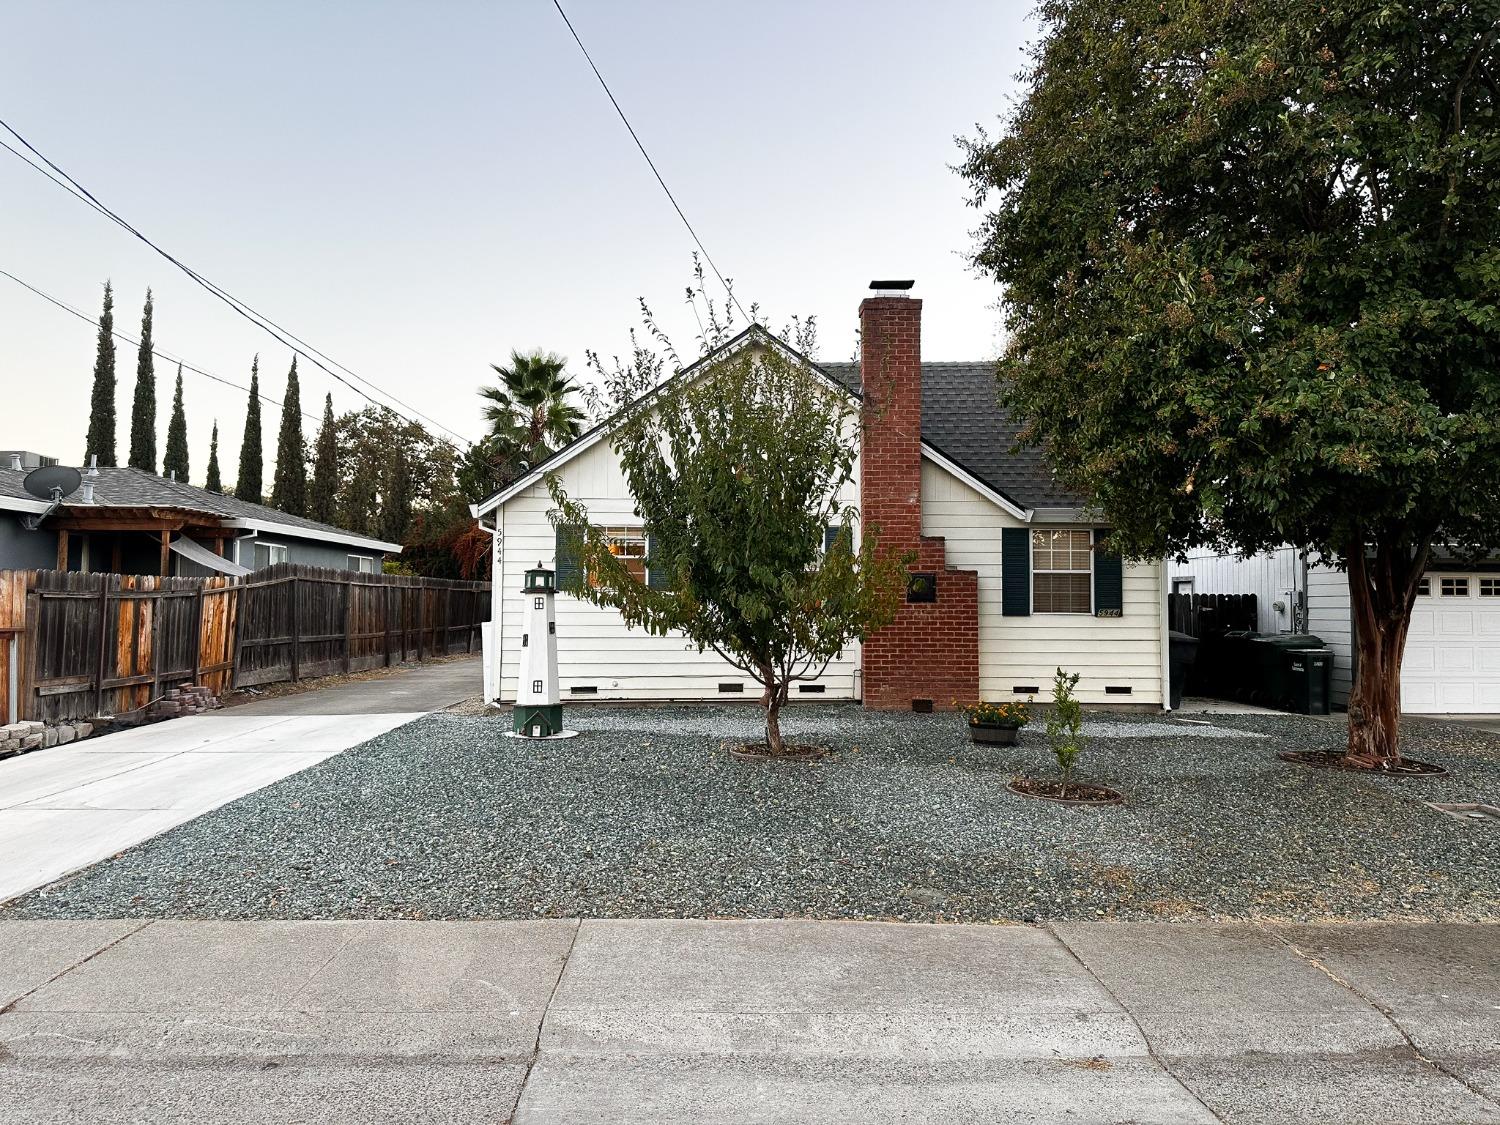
296, 631
385, 619
348, 620
103, 643
236, 607
421, 620
198, 634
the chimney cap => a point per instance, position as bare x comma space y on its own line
895, 285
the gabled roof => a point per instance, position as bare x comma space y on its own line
964, 430
125, 487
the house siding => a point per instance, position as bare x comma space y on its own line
1124, 651
1329, 619
594, 647
25, 550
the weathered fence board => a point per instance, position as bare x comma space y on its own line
1202, 615
75, 645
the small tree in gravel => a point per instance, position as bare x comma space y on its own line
1065, 725
737, 476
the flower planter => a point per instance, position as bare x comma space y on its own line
994, 734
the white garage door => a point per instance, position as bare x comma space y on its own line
1452, 660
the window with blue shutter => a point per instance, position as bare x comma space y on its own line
1015, 571
656, 572
1109, 579
568, 564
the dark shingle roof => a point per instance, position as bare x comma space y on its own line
125, 487
962, 418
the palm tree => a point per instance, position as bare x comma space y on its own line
531, 412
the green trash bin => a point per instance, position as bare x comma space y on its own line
1294, 673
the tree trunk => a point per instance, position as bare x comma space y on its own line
1382, 592
772, 699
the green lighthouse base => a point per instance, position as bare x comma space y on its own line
532, 721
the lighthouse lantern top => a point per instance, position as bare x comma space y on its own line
540, 580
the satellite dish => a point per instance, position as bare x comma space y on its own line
52, 482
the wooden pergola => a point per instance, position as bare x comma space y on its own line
153, 520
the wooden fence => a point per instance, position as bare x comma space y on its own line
79, 646
1202, 615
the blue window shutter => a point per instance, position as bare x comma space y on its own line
568, 564
1015, 571
1109, 580
830, 535
656, 575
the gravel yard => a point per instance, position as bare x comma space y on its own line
645, 815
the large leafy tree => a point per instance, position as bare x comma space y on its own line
101, 436
534, 409
251, 479
143, 408
174, 461
737, 476
1251, 257
289, 485
371, 443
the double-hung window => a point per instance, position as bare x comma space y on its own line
1062, 570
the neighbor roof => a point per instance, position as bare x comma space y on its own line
125, 487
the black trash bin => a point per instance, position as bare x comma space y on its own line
1183, 650
1292, 672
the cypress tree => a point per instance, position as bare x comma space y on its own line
289, 487
322, 499
101, 439
174, 462
395, 507
214, 484
143, 413
249, 483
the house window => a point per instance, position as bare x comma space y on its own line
362, 564
1182, 585
269, 554
1489, 587
1424, 588
1455, 587
1062, 571
628, 544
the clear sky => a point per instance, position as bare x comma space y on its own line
416, 188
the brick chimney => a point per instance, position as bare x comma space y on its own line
929, 656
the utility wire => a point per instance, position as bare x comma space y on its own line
260, 320
167, 356
701, 248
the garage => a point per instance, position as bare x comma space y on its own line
1452, 661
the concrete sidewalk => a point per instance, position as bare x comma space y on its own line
70, 806
772, 1021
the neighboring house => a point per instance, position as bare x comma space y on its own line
1019, 588
128, 521
1452, 659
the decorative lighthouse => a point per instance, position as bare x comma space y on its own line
538, 711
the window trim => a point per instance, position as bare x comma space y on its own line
628, 531
1455, 580
1092, 533
1494, 587
359, 560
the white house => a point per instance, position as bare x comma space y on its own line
1452, 658
1013, 585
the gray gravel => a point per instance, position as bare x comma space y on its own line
645, 815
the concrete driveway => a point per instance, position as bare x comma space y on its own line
70, 806
557, 1022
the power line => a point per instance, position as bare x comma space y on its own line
260, 320
167, 356
701, 248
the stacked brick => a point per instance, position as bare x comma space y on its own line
190, 699
930, 653
21, 738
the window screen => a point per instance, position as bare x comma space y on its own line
1062, 571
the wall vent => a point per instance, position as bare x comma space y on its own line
922, 706
1116, 689
1024, 689
729, 688
583, 689
812, 689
